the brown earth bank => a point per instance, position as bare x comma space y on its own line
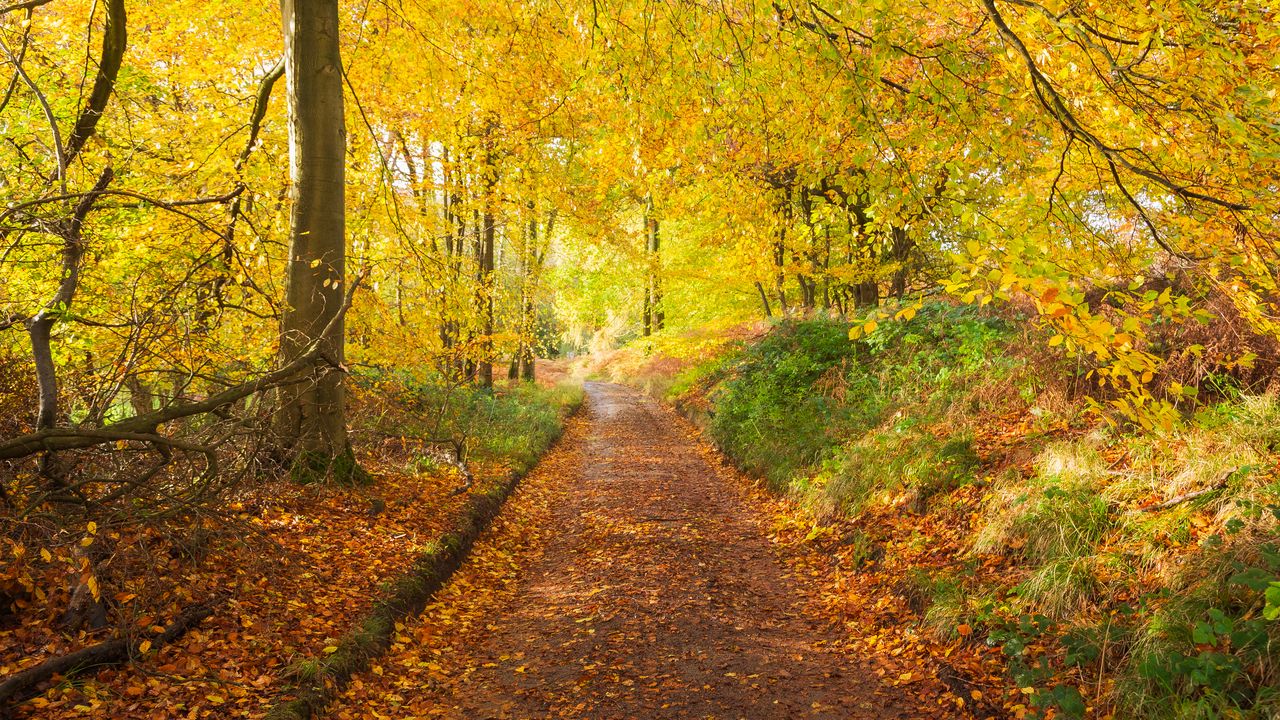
633, 575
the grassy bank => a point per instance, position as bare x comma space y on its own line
1086, 568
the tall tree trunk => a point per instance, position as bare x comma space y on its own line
471, 368
485, 255
808, 286
655, 272
867, 292
646, 320
311, 422
526, 355
455, 230
522, 363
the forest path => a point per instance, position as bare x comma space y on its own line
629, 577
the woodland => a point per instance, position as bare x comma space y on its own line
977, 300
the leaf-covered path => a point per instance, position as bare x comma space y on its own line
629, 577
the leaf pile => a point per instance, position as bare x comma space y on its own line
310, 563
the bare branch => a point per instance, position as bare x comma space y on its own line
28, 5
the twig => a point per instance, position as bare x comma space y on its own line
1220, 485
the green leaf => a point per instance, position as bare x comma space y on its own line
1272, 610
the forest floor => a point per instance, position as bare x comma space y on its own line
634, 574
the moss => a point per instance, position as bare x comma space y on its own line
312, 466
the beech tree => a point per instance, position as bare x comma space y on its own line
311, 422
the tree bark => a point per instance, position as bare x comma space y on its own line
40, 327
114, 40
522, 363
311, 422
646, 314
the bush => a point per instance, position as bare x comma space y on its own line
770, 415
786, 402
1208, 652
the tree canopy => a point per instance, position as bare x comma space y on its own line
518, 173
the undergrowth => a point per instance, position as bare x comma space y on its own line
509, 423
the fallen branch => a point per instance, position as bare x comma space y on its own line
1178, 500
23, 685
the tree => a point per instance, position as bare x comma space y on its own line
654, 313
311, 422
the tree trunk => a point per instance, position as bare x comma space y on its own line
484, 372
522, 363
655, 273
808, 287
646, 319
764, 298
779, 266
311, 422
40, 327
902, 247
867, 294
526, 358
780, 253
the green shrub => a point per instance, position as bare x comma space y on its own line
1208, 652
771, 415
785, 404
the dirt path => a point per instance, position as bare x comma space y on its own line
652, 592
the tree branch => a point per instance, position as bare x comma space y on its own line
51, 439
114, 40
28, 5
